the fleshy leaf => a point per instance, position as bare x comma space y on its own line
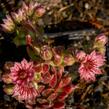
41, 101
40, 88
53, 81
65, 81
45, 68
46, 92
69, 89
62, 96
59, 105
52, 97
46, 78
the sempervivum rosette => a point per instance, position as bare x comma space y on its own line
56, 87
41, 85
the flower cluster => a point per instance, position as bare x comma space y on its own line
45, 85
56, 56
43, 82
90, 64
23, 14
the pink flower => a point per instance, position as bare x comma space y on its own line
29, 8
101, 39
19, 16
90, 66
22, 75
40, 11
8, 24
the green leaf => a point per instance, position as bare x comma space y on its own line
19, 41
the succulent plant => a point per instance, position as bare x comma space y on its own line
47, 86
45, 82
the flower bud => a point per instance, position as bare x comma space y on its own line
69, 60
9, 89
58, 55
46, 52
8, 25
19, 16
40, 11
28, 40
8, 65
100, 42
101, 39
6, 78
102, 50
57, 60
